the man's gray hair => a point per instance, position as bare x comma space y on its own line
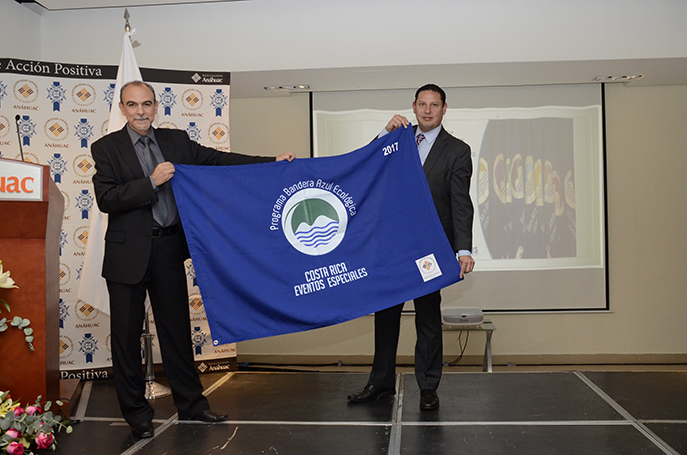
139, 83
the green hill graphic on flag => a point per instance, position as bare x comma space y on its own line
314, 222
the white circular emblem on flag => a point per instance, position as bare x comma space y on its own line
314, 221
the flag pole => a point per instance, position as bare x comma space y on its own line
153, 389
127, 26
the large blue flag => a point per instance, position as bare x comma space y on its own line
287, 247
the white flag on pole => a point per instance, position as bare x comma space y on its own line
92, 287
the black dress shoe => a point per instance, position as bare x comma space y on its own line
429, 400
371, 392
205, 416
143, 430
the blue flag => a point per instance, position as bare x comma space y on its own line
286, 247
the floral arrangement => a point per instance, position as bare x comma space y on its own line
23, 428
22, 324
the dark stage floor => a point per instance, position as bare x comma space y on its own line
304, 413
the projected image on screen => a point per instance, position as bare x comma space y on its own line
537, 187
525, 188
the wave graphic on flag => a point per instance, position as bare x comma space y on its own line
317, 235
286, 247
317, 232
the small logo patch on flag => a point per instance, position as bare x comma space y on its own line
429, 267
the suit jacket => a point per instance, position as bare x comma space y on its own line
448, 169
125, 193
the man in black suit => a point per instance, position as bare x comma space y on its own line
145, 250
448, 167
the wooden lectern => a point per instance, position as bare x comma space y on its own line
31, 213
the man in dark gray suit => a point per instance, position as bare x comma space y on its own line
145, 250
448, 167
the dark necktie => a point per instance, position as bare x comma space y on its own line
160, 207
419, 138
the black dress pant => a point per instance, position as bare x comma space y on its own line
428, 347
165, 282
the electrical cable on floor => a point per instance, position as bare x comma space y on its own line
462, 348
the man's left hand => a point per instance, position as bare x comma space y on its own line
288, 156
466, 264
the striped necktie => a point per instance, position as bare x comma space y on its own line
419, 138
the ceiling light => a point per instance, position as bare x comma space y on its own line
617, 78
289, 88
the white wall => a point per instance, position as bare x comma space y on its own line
271, 126
20, 31
295, 34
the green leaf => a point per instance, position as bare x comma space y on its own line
29, 339
28, 331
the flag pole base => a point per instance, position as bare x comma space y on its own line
156, 390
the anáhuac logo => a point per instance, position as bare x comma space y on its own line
25, 91
83, 95
314, 221
218, 133
428, 267
80, 236
4, 127
85, 311
65, 274
192, 99
195, 302
56, 129
66, 346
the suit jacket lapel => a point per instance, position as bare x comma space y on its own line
435, 152
166, 146
128, 153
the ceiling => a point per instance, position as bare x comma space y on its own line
54, 5
660, 71
654, 71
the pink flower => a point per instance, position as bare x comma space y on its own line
18, 411
13, 433
44, 440
32, 410
15, 448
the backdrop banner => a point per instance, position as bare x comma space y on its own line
62, 108
287, 247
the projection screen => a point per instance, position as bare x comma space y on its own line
539, 237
